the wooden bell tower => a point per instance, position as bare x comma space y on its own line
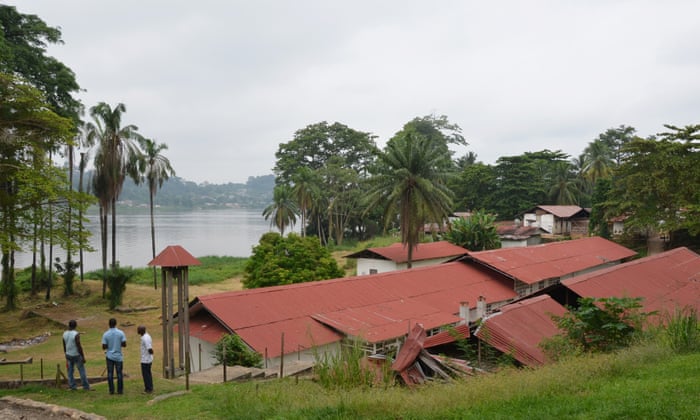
174, 261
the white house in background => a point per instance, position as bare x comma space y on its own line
514, 234
559, 220
395, 257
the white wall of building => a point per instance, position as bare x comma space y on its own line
366, 265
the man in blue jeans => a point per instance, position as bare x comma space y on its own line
75, 356
112, 342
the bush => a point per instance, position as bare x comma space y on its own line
278, 260
232, 351
117, 277
602, 324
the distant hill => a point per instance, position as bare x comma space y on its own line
178, 193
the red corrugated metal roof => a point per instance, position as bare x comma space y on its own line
260, 314
386, 320
425, 251
174, 256
666, 281
532, 264
519, 328
445, 337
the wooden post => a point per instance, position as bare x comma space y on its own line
282, 358
180, 319
223, 357
199, 357
187, 371
171, 344
185, 331
164, 320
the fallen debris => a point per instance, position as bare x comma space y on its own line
415, 365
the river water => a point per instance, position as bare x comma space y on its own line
229, 232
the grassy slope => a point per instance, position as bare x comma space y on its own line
645, 382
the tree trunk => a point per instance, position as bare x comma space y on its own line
114, 232
153, 240
80, 215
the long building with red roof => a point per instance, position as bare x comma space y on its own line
302, 319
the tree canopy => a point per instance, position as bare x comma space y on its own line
278, 260
409, 182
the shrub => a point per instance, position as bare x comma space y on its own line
232, 351
117, 277
602, 324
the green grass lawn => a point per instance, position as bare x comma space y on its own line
646, 381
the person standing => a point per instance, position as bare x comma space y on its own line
74, 355
112, 342
146, 358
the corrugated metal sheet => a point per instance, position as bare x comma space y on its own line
386, 320
174, 256
553, 260
434, 294
425, 251
519, 328
445, 337
666, 281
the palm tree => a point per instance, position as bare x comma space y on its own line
156, 169
410, 181
476, 233
564, 184
305, 191
599, 161
114, 158
283, 210
86, 142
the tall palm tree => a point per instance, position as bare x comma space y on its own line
283, 210
114, 158
305, 190
86, 142
564, 187
155, 169
599, 161
410, 181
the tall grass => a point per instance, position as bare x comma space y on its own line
349, 368
682, 333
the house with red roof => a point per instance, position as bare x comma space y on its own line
298, 321
559, 220
665, 282
533, 268
395, 256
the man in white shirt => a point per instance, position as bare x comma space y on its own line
146, 358
74, 355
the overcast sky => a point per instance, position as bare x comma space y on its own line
223, 83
